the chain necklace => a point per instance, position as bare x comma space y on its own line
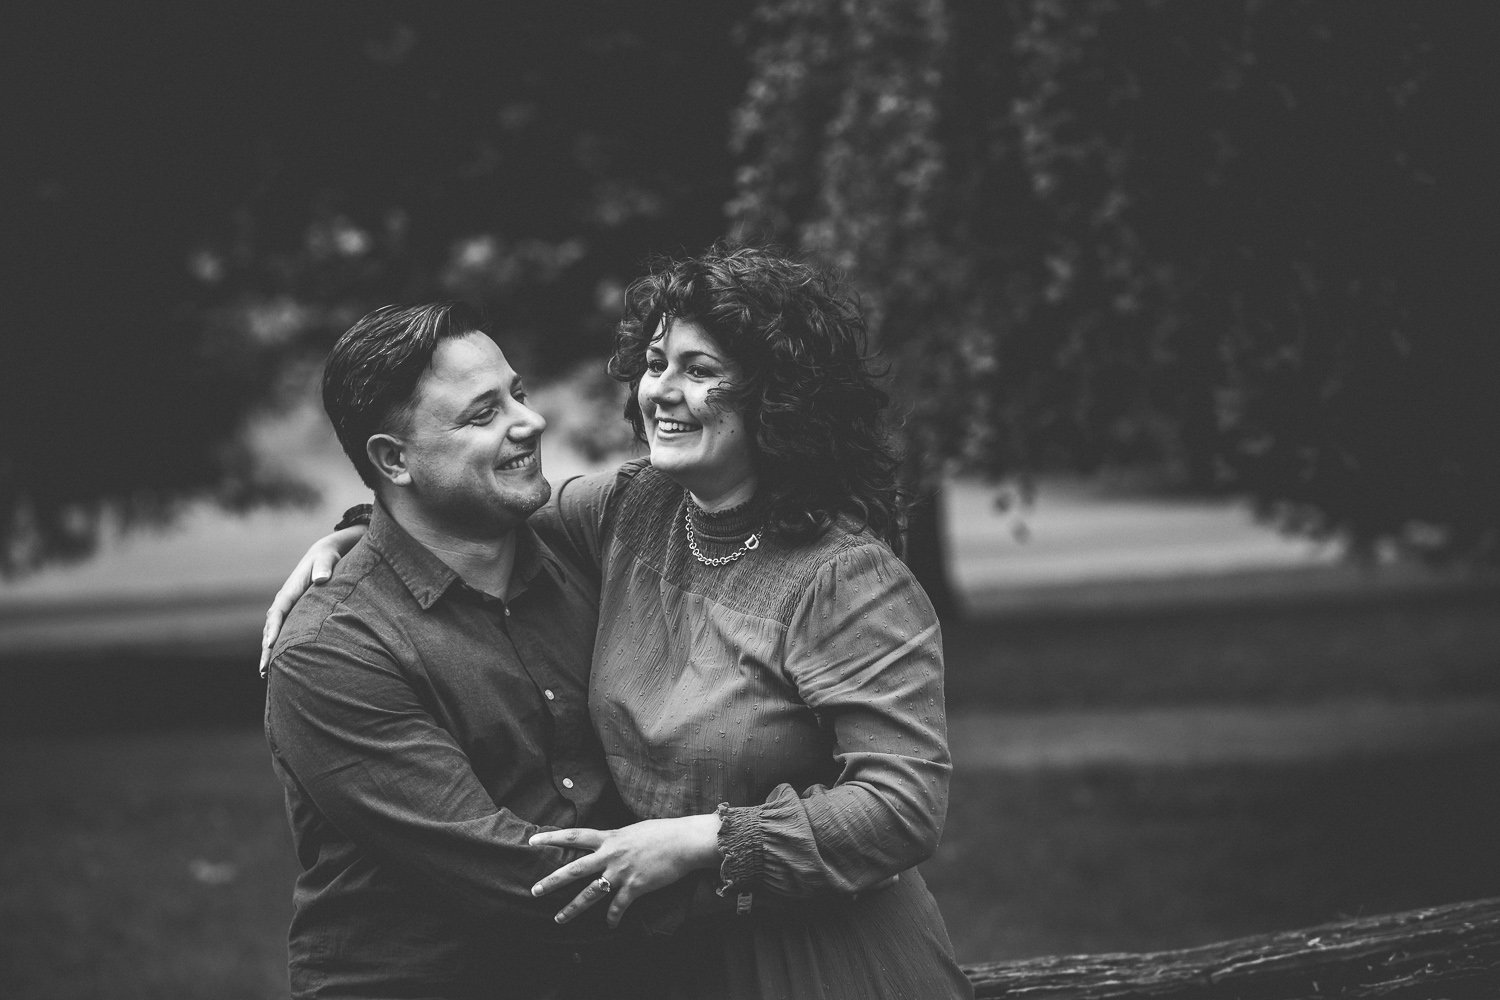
753, 542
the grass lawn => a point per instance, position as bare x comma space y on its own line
139, 858
158, 865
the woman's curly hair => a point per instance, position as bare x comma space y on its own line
807, 390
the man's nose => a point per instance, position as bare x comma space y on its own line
530, 425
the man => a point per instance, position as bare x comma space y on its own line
427, 707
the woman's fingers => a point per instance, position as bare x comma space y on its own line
580, 837
585, 867
592, 893
268, 633
282, 603
623, 897
322, 566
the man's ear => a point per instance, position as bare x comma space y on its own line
388, 455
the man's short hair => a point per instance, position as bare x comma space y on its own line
370, 378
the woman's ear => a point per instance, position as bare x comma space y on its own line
388, 455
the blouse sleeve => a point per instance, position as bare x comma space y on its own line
864, 649
573, 521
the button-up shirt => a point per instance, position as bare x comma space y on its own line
423, 732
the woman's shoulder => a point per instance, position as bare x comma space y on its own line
844, 552
846, 538
646, 486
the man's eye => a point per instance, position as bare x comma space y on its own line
520, 395
484, 416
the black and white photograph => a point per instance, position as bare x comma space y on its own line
828, 499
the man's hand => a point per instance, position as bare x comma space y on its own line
632, 861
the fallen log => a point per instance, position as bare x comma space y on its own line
1449, 951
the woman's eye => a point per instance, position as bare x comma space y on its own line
698, 371
657, 365
484, 416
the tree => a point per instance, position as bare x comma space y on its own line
1241, 240
207, 195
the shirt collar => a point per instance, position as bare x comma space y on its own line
429, 578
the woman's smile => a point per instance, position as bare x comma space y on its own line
696, 436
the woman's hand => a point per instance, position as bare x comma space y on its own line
634, 860
315, 567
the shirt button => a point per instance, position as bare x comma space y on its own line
549, 694
507, 612
567, 782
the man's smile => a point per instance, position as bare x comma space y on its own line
529, 459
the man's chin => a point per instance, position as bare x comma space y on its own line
522, 504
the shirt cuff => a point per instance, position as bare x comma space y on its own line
740, 844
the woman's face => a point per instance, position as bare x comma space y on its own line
695, 438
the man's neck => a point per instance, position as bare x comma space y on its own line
484, 563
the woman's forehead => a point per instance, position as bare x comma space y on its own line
684, 336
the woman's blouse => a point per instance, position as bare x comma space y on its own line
801, 684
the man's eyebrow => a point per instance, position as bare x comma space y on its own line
487, 396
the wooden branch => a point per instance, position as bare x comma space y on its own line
1445, 951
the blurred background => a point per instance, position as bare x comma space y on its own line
1190, 308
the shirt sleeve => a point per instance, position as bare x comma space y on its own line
351, 731
575, 519
864, 649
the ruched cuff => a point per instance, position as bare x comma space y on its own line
740, 843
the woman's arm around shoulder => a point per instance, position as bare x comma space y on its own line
575, 521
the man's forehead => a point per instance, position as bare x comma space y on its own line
465, 366
469, 357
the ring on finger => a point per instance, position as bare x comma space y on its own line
602, 886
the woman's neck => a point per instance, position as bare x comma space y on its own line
711, 503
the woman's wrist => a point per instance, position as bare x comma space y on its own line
704, 841
359, 514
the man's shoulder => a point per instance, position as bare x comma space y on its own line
362, 592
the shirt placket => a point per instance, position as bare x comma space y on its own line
573, 780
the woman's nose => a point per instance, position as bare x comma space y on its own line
662, 389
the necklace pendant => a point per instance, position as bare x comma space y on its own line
748, 545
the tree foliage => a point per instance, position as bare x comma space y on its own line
206, 194
1247, 240
1243, 239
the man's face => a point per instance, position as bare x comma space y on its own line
472, 445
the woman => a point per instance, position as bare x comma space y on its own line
767, 676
